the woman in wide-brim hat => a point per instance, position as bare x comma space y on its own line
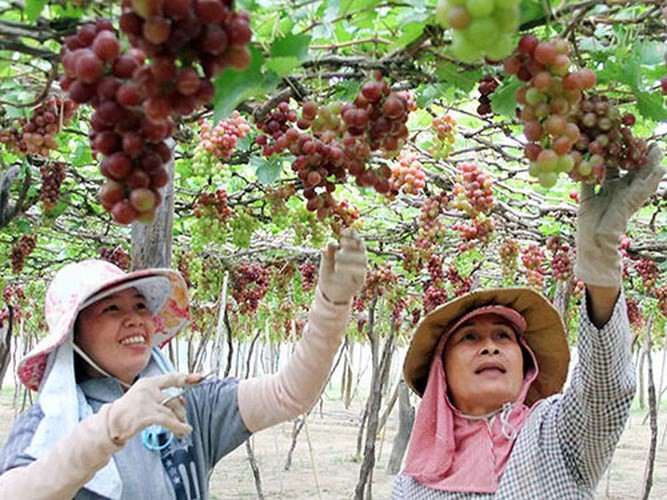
109, 420
490, 366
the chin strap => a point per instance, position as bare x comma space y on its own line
506, 428
97, 367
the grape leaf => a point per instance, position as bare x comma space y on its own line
291, 46
503, 99
33, 8
651, 105
268, 170
234, 87
452, 74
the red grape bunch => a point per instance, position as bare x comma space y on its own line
53, 175
37, 134
480, 27
444, 128
479, 228
308, 276
533, 259
116, 256
561, 262
274, 126
20, 250
220, 139
606, 140
635, 316
648, 271
661, 295
487, 86
416, 254
460, 284
213, 205
130, 139
407, 175
548, 101
251, 283
472, 191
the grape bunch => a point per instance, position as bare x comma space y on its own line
548, 100
460, 284
509, 254
635, 316
480, 28
416, 254
648, 271
20, 250
308, 276
213, 205
36, 135
606, 140
561, 263
131, 140
430, 222
533, 260
274, 127
331, 141
407, 175
472, 192
661, 295
434, 296
251, 283
479, 228
487, 86
116, 256
444, 128
53, 175
220, 139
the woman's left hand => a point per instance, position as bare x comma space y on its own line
604, 215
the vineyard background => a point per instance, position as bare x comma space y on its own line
449, 183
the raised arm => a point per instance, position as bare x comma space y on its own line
594, 409
268, 400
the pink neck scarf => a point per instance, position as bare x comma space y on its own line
450, 451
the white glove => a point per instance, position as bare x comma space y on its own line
343, 268
142, 406
603, 217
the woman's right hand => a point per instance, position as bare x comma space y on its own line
142, 406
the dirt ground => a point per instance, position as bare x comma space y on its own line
324, 464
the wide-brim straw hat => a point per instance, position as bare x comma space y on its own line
78, 285
544, 334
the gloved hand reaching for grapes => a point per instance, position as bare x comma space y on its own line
343, 268
603, 217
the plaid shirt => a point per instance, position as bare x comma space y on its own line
568, 441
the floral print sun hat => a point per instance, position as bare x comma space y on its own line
78, 285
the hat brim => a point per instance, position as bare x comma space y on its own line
545, 335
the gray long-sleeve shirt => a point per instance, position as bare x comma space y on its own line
569, 439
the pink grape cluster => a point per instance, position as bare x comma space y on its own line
606, 140
444, 128
116, 256
274, 126
547, 101
635, 316
416, 254
251, 283
20, 250
220, 139
434, 295
36, 135
53, 175
661, 295
460, 284
213, 205
648, 271
472, 191
308, 276
561, 263
533, 260
407, 175
479, 229
430, 222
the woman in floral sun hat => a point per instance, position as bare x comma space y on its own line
489, 367
109, 421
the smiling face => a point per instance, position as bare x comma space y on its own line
117, 333
483, 365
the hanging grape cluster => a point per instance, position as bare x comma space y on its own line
332, 141
177, 47
220, 140
20, 250
444, 128
480, 28
117, 256
36, 135
53, 175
